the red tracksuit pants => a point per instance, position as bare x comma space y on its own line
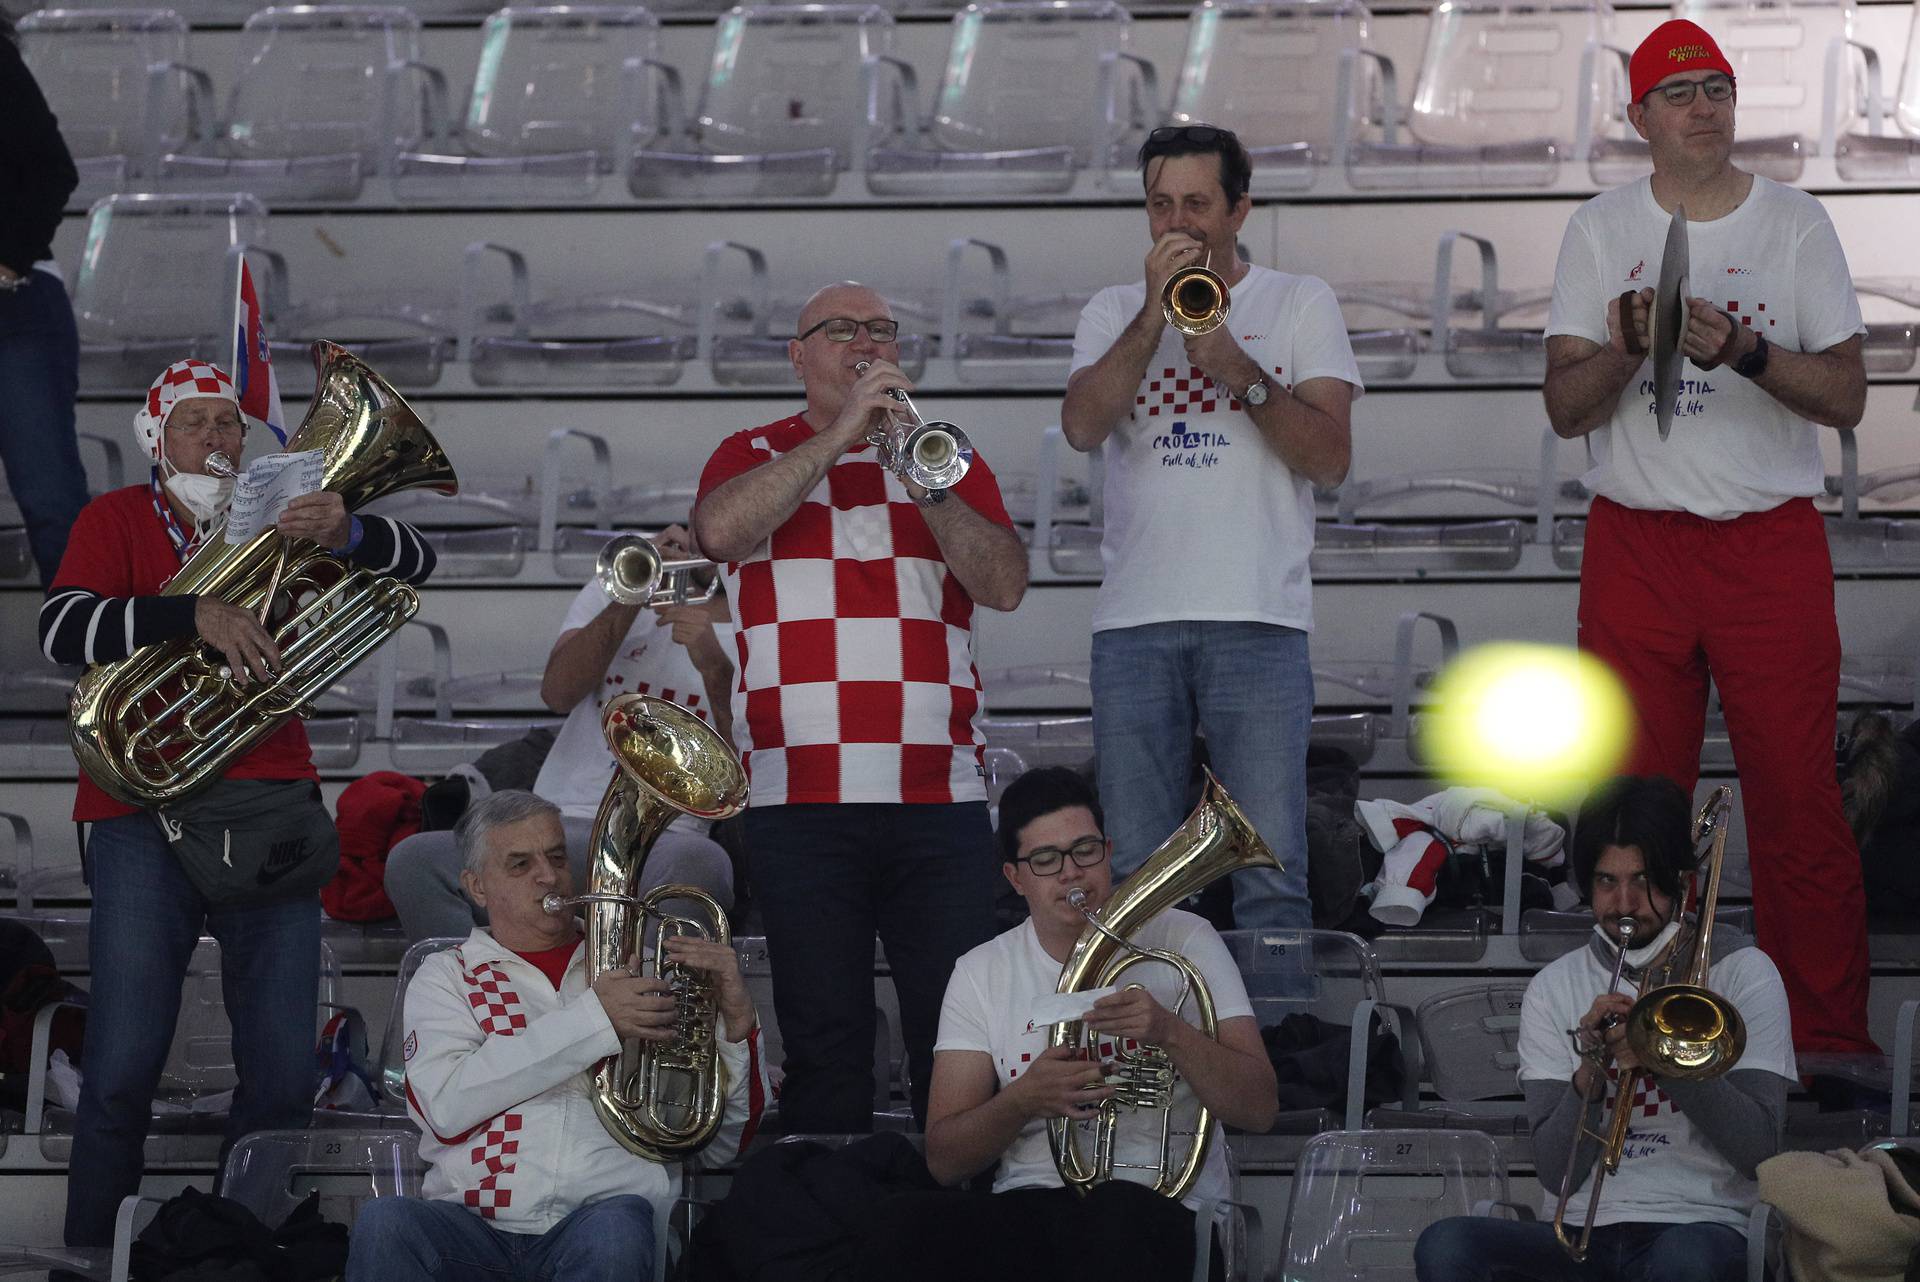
1669, 599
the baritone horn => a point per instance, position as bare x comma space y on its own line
932, 454
659, 1100
1678, 1029
1215, 840
1196, 300
631, 571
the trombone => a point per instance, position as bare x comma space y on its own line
932, 454
631, 571
1677, 1030
1196, 300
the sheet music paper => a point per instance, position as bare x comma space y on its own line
263, 491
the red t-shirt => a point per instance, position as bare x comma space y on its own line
553, 962
854, 640
119, 548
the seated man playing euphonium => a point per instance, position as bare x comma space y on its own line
997, 1083
1677, 1208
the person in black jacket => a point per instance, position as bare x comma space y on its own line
39, 346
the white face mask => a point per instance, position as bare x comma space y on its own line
205, 496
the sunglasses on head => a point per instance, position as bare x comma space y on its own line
1197, 134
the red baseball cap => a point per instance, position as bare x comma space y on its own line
1676, 45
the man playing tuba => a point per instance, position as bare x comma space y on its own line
149, 905
1677, 1207
503, 1034
996, 1082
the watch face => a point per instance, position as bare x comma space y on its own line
1257, 394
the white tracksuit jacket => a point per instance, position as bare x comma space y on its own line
499, 1077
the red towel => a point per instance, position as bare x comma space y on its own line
373, 815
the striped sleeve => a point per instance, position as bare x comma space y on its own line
80, 626
393, 547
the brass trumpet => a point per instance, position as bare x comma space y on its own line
631, 571
1196, 300
932, 454
1679, 1030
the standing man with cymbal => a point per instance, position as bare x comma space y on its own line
1705, 559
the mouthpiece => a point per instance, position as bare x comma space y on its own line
555, 904
1626, 928
1078, 898
218, 464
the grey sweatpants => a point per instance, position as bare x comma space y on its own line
423, 876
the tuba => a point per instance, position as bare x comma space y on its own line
1215, 840
1678, 1029
661, 1101
165, 722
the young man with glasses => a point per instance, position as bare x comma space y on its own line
996, 1082
857, 705
1704, 554
1213, 445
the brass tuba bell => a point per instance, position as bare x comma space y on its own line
1215, 840
660, 1100
165, 722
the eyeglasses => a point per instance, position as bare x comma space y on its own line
1048, 860
1680, 92
1200, 135
219, 427
841, 329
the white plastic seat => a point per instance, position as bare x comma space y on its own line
319, 101
1885, 145
1361, 1198
1272, 70
155, 284
997, 338
558, 94
435, 745
119, 81
1033, 92
1497, 101
782, 111
1469, 1047
272, 1172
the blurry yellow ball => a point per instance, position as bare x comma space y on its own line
1538, 722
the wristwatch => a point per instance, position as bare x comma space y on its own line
1754, 363
932, 498
1256, 393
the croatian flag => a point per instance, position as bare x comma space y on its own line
253, 362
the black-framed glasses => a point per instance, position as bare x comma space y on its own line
841, 329
1718, 88
1047, 861
1199, 135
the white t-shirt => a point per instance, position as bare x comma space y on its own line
989, 1008
1189, 477
1668, 1174
574, 775
1774, 264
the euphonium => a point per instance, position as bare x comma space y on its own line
631, 571
1677, 1030
167, 721
1196, 300
1215, 840
931, 453
660, 1100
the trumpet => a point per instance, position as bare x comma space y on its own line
933, 455
631, 571
1196, 300
1678, 1030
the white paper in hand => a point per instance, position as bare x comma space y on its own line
1059, 1008
263, 491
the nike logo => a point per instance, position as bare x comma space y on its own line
282, 858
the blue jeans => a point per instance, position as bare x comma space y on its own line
827, 878
1472, 1248
1249, 688
147, 917
39, 378
404, 1239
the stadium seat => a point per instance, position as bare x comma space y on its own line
1275, 71
120, 84
319, 101
1497, 101
559, 94
782, 111
1034, 91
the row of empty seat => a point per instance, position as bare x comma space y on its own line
1038, 98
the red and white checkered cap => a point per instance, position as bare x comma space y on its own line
180, 381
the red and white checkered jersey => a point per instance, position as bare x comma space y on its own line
854, 641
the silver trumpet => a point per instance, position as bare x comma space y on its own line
933, 455
631, 571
